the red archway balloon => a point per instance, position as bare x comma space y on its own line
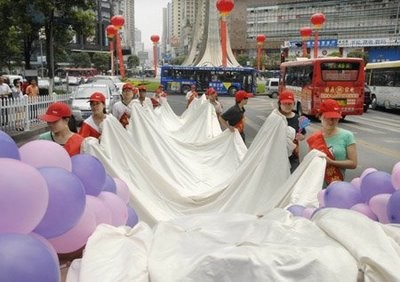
318, 19
111, 31
225, 6
260, 38
155, 38
305, 32
117, 21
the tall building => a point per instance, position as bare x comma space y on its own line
371, 26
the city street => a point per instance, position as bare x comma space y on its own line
377, 133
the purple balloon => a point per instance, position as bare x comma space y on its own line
118, 210
296, 210
24, 196
132, 217
25, 258
8, 147
374, 183
393, 207
90, 171
67, 200
110, 185
396, 176
365, 210
341, 194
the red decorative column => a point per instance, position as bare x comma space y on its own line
155, 38
318, 19
260, 42
118, 22
111, 32
224, 7
305, 33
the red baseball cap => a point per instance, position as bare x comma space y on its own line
240, 95
128, 86
97, 97
330, 109
210, 91
56, 111
142, 88
286, 96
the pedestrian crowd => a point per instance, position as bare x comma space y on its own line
338, 144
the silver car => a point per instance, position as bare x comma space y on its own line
80, 100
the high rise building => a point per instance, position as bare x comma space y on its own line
126, 8
371, 26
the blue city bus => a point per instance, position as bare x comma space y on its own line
226, 81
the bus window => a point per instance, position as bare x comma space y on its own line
339, 71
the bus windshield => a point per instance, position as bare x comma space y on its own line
340, 71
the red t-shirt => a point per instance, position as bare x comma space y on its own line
73, 145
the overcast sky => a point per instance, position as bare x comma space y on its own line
148, 15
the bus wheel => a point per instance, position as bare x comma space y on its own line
232, 90
374, 103
185, 89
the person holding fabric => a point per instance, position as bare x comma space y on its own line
191, 95
338, 144
286, 103
91, 125
234, 118
143, 100
57, 116
212, 97
160, 91
158, 94
121, 109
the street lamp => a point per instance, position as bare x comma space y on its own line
118, 22
155, 38
224, 7
305, 33
111, 32
42, 36
318, 19
260, 42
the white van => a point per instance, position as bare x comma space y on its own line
271, 87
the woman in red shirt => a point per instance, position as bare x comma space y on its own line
91, 125
57, 116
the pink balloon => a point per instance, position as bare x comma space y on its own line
366, 172
365, 210
77, 237
356, 182
308, 212
320, 197
24, 196
119, 212
101, 211
396, 176
40, 153
122, 190
378, 205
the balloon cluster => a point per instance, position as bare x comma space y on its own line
376, 194
51, 203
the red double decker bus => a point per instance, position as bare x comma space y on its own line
313, 80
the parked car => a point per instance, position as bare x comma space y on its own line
367, 97
105, 80
117, 81
271, 87
80, 100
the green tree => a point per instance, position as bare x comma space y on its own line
243, 59
358, 54
133, 61
178, 60
60, 19
101, 61
81, 60
335, 54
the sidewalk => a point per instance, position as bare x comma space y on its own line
21, 137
